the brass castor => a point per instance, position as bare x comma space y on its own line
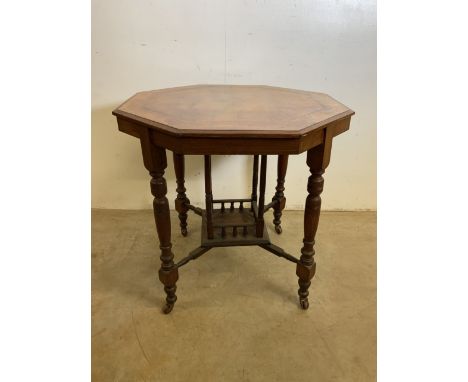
168, 308
278, 229
304, 304
184, 231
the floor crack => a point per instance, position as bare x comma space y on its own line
139, 342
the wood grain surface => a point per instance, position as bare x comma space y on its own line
233, 109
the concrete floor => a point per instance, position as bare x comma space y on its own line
237, 316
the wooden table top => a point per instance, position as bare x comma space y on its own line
233, 110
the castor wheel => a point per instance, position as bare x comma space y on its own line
304, 304
278, 229
184, 231
168, 308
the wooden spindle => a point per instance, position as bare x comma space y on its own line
234, 231
208, 197
241, 206
279, 195
181, 201
231, 209
222, 207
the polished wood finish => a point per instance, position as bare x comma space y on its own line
261, 202
227, 235
225, 119
280, 252
154, 158
279, 201
254, 179
208, 197
181, 201
220, 145
233, 110
195, 254
318, 159
233, 119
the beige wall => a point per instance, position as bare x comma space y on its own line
327, 46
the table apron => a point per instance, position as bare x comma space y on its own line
199, 145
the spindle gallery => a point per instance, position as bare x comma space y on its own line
238, 120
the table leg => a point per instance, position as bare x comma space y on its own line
254, 181
261, 203
279, 195
317, 160
154, 158
208, 197
181, 201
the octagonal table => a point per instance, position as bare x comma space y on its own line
239, 120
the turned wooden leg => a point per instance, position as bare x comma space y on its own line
254, 181
154, 158
306, 268
279, 195
168, 274
181, 201
208, 197
260, 224
317, 160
